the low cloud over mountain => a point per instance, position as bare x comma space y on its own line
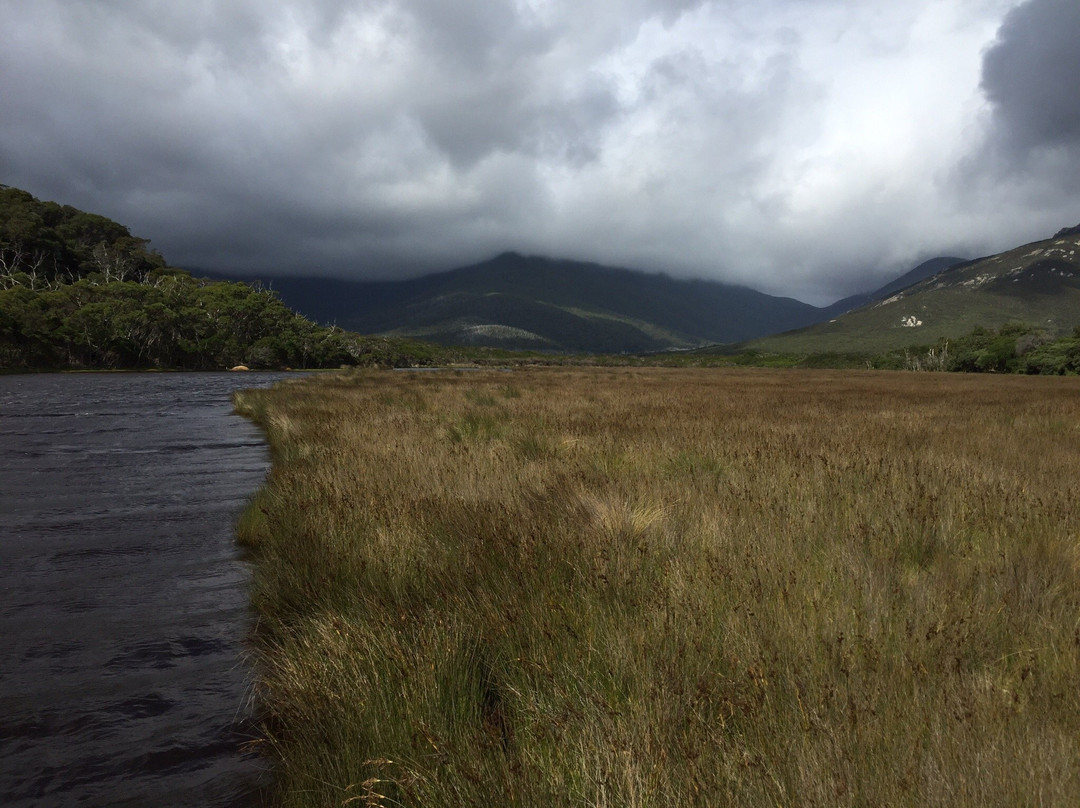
807, 149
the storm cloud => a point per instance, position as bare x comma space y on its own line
1031, 75
1030, 79
805, 148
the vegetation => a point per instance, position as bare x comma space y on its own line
1013, 348
643, 587
77, 290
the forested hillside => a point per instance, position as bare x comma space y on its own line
77, 290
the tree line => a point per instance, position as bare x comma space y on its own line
77, 290
1013, 348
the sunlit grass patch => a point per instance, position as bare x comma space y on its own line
475, 426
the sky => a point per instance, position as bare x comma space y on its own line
810, 148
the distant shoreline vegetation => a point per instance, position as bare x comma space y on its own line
78, 291
1013, 348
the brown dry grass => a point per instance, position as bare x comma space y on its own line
637, 587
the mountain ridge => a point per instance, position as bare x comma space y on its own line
1037, 284
534, 302
924, 270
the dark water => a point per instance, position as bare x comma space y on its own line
123, 601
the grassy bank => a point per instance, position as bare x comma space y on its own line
649, 587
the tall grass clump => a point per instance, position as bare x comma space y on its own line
629, 587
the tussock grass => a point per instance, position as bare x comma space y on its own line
630, 587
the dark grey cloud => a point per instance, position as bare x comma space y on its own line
1031, 76
1021, 178
798, 146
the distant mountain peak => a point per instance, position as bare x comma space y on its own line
531, 301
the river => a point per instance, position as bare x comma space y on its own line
123, 598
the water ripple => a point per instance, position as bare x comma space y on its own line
123, 603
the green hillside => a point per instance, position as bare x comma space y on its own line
1037, 284
77, 290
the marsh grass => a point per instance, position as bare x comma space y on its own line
669, 587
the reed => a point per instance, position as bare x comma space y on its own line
658, 587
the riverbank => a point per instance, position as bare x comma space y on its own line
668, 587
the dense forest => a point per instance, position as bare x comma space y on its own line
77, 290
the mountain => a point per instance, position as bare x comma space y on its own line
921, 272
518, 301
1037, 284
